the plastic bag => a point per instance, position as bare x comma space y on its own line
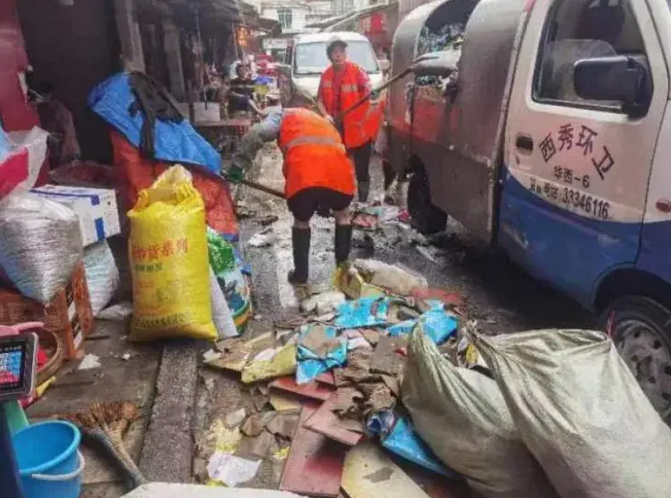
462, 416
221, 313
102, 275
580, 410
40, 245
169, 261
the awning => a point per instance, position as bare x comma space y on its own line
220, 10
338, 22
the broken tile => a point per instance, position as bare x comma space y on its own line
326, 378
369, 472
347, 401
317, 341
315, 464
380, 399
327, 423
310, 390
234, 419
255, 424
284, 402
283, 425
259, 446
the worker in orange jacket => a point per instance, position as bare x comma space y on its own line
342, 85
318, 176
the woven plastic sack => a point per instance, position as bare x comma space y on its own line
102, 275
462, 416
40, 245
169, 262
580, 411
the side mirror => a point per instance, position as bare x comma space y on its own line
619, 78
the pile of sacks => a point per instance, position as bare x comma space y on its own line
558, 415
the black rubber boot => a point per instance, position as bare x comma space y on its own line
343, 243
300, 238
364, 188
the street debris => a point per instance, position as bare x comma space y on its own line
89, 362
264, 238
235, 418
231, 470
323, 303
117, 312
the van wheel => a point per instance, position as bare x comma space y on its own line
426, 217
641, 330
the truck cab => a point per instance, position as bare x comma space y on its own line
306, 60
548, 136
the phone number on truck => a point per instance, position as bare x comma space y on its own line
579, 201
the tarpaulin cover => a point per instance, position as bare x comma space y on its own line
437, 323
173, 142
134, 173
311, 365
404, 442
462, 416
363, 312
580, 411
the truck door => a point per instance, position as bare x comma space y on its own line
574, 193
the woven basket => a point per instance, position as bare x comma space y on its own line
53, 346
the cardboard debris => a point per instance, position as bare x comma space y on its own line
372, 336
326, 378
283, 425
386, 358
283, 362
255, 424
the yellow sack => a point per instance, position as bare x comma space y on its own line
169, 262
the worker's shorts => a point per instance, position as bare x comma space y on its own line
304, 204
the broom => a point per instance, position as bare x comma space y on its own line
105, 424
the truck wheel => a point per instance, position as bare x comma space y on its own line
641, 330
426, 217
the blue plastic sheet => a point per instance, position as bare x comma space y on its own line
310, 365
404, 442
363, 312
437, 323
173, 142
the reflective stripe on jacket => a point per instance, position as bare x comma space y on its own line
314, 155
355, 133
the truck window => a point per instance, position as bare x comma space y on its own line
581, 29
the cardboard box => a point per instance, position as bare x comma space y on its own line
68, 315
96, 207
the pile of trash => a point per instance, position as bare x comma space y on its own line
385, 361
332, 373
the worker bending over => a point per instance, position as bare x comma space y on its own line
318, 176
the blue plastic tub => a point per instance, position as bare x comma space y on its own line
49, 461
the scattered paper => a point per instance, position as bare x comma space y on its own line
90, 362
211, 355
264, 238
266, 354
230, 469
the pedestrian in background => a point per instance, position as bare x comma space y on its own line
342, 85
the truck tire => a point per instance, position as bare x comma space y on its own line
426, 218
641, 330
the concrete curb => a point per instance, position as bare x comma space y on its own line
167, 453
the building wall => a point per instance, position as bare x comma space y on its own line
74, 47
299, 13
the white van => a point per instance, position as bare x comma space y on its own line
306, 60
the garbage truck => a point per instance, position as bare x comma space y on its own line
544, 128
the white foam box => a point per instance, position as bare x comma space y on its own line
96, 207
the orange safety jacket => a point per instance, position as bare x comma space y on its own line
314, 155
355, 133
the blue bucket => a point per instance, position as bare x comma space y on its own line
49, 461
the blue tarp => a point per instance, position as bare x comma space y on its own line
437, 323
364, 312
173, 142
404, 442
310, 365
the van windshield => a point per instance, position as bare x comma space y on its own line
310, 58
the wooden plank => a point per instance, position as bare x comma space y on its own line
328, 424
310, 390
369, 472
314, 466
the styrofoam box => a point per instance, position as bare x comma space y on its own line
96, 207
